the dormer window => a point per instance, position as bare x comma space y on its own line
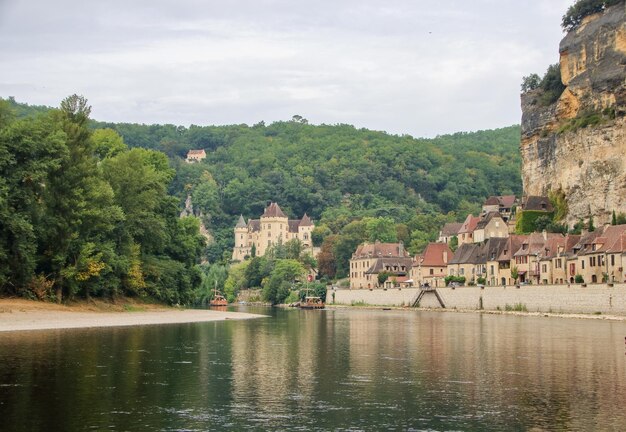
524, 247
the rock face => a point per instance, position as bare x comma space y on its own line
587, 164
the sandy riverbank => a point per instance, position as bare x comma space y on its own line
22, 315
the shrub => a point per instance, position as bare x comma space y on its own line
527, 221
582, 9
579, 279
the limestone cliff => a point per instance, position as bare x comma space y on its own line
578, 144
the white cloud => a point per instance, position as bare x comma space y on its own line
414, 67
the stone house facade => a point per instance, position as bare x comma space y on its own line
430, 267
371, 259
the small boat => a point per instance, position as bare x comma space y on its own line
218, 299
312, 303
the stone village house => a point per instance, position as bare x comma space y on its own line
371, 259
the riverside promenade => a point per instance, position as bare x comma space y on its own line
571, 299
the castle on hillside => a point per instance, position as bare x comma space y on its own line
272, 228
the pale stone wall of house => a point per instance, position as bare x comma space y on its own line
589, 299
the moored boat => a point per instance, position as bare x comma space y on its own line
312, 303
218, 300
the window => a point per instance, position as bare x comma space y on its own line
582, 264
592, 261
558, 263
544, 268
269, 234
432, 271
612, 260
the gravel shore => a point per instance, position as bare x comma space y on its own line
22, 316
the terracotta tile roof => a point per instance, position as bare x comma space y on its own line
492, 200
586, 240
200, 152
433, 255
536, 243
470, 224
451, 229
501, 200
611, 240
380, 250
514, 242
273, 210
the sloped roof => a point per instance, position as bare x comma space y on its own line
492, 200
200, 152
378, 249
273, 210
586, 240
514, 242
433, 255
241, 223
469, 225
536, 243
485, 219
501, 200
293, 225
451, 229
254, 225
380, 264
306, 221
464, 253
538, 203
611, 239
507, 200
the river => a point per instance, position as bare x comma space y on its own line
320, 370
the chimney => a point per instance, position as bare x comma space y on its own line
545, 235
400, 248
445, 257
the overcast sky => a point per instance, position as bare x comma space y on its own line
403, 66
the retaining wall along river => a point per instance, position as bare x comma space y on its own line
593, 298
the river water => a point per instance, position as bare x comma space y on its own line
320, 370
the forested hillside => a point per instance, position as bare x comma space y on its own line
83, 215
335, 173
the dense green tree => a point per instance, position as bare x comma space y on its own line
285, 274
82, 215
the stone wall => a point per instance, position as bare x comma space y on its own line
589, 299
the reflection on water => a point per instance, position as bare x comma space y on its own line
332, 369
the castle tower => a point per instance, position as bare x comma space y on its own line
304, 231
242, 247
274, 228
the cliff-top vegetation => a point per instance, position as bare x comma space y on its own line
582, 9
